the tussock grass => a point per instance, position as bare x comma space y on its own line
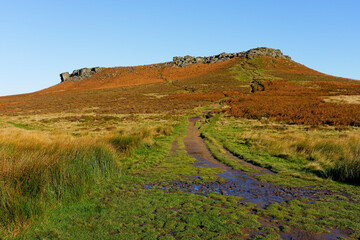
164, 130
324, 151
128, 140
38, 170
124, 143
337, 158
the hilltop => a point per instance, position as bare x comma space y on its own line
83, 73
179, 68
178, 85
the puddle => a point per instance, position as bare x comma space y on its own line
238, 183
300, 234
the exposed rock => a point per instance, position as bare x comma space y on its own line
64, 76
268, 52
256, 86
79, 74
83, 73
262, 51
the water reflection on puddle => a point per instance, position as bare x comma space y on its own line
238, 184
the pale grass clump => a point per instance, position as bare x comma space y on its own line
33, 139
126, 141
328, 156
164, 130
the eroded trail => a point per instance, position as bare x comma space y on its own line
245, 185
237, 182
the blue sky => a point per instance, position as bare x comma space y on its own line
40, 39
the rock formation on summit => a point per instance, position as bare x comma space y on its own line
79, 74
262, 51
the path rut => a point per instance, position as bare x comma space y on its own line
237, 182
242, 184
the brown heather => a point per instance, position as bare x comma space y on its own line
40, 170
299, 97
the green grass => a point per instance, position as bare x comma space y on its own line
219, 153
293, 151
122, 208
339, 209
241, 74
34, 186
39, 171
135, 213
247, 72
20, 125
316, 217
228, 139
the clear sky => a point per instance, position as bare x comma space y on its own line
40, 39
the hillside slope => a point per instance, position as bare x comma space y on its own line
145, 151
180, 85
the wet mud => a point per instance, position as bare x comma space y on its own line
238, 183
303, 235
249, 190
231, 182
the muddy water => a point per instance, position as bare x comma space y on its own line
237, 182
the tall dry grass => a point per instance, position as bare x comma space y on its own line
126, 141
328, 156
38, 170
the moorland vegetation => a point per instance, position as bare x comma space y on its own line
75, 157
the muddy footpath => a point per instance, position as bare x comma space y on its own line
244, 185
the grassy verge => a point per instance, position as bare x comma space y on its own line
276, 147
219, 153
324, 152
36, 175
124, 209
39, 171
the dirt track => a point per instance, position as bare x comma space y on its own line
241, 184
237, 182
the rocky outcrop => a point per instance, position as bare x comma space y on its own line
64, 76
187, 60
262, 51
79, 74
